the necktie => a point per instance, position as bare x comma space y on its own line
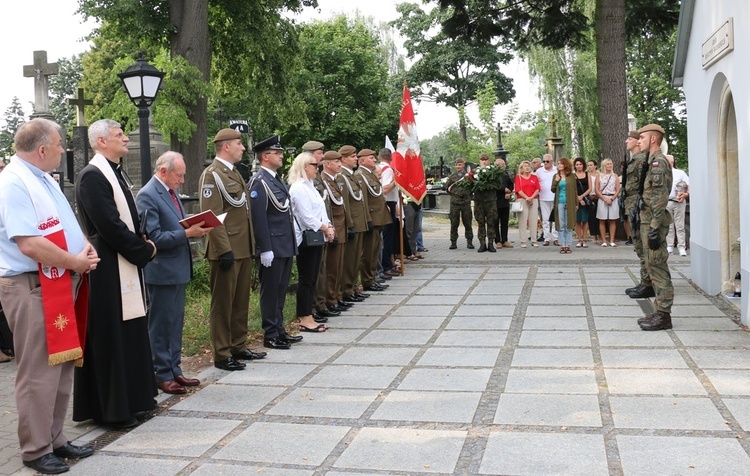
176, 202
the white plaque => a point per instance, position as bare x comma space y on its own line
718, 44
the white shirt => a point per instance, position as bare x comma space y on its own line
678, 176
545, 183
386, 178
308, 208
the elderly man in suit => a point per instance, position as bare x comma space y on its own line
169, 272
229, 252
275, 241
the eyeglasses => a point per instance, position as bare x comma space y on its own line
547, 161
314, 164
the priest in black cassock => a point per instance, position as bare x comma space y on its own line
117, 380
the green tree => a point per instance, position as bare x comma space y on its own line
450, 70
63, 86
12, 120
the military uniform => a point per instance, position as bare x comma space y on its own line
222, 190
380, 216
355, 203
633, 174
485, 212
335, 253
654, 216
460, 208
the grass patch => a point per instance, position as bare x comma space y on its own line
196, 337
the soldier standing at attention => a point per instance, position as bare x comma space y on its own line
631, 185
460, 208
485, 211
657, 183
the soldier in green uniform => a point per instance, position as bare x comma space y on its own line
460, 209
485, 211
657, 184
632, 178
380, 215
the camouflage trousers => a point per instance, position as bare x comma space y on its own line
639, 251
457, 214
658, 269
486, 215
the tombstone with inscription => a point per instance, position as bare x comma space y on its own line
80, 134
40, 71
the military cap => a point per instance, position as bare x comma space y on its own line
227, 134
634, 134
366, 152
331, 155
273, 142
312, 145
651, 128
460, 161
347, 150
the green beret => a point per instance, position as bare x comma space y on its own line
651, 128
366, 152
227, 134
312, 145
460, 161
331, 155
347, 150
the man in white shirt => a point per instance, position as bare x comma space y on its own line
547, 198
390, 190
676, 207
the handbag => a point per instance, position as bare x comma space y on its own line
313, 238
516, 207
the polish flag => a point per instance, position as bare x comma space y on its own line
407, 159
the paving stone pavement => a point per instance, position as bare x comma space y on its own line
518, 362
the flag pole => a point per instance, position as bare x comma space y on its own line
401, 230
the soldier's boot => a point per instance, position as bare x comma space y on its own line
482, 247
469, 244
634, 289
661, 321
646, 318
646, 292
491, 247
452, 246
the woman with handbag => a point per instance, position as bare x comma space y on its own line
608, 209
527, 192
583, 191
310, 219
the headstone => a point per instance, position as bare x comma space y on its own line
80, 134
554, 144
80, 102
40, 71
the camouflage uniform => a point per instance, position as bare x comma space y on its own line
485, 212
634, 167
654, 216
460, 209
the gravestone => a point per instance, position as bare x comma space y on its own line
555, 144
40, 71
80, 134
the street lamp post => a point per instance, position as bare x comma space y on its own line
142, 81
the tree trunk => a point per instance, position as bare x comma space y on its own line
610, 71
569, 101
190, 40
462, 123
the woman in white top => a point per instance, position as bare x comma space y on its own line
309, 213
608, 209
593, 221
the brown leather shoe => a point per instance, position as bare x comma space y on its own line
170, 386
187, 382
660, 321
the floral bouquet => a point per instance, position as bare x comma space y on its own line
487, 178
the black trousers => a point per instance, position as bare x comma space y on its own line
389, 238
501, 226
308, 268
274, 281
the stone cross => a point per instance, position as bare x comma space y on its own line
40, 71
80, 103
553, 126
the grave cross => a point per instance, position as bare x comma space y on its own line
553, 126
40, 70
80, 103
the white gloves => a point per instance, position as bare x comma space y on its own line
266, 258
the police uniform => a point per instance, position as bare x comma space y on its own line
273, 228
634, 167
460, 209
355, 203
222, 190
380, 217
335, 253
655, 222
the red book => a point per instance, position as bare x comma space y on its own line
208, 217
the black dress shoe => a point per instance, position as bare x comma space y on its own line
248, 354
47, 464
362, 295
329, 313
71, 451
375, 287
353, 298
379, 280
276, 344
336, 310
385, 276
229, 364
343, 305
291, 339
319, 319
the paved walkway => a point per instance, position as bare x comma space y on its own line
519, 362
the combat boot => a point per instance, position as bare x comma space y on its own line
469, 244
646, 318
634, 289
452, 246
491, 247
482, 247
646, 292
660, 321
